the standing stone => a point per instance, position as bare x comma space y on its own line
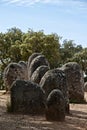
34, 55
27, 98
24, 67
12, 72
38, 73
55, 79
55, 110
36, 62
75, 81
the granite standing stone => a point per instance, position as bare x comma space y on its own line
12, 72
24, 66
39, 73
36, 62
55, 79
27, 98
34, 55
75, 81
55, 110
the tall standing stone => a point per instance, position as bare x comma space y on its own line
75, 81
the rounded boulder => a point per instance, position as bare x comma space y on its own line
55, 110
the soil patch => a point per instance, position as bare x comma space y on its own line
77, 120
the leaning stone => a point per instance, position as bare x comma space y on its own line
12, 72
38, 61
55, 110
75, 81
38, 73
55, 79
27, 98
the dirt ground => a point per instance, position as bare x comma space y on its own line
76, 121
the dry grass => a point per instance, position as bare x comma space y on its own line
76, 121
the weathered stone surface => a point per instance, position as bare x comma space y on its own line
24, 67
38, 73
55, 79
12, 72
55, 110
27, 98
85, 86
75, 81
34, 55
36, 62
23, 64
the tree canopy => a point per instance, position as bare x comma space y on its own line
16, 45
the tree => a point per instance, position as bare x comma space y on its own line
68, 50
16, 45
81, 58
7, 47
46, 44
14, 34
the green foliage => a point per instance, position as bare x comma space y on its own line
16, 45
46, 44
68, 50
25, 51
81, 58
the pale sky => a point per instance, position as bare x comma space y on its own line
67, 18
